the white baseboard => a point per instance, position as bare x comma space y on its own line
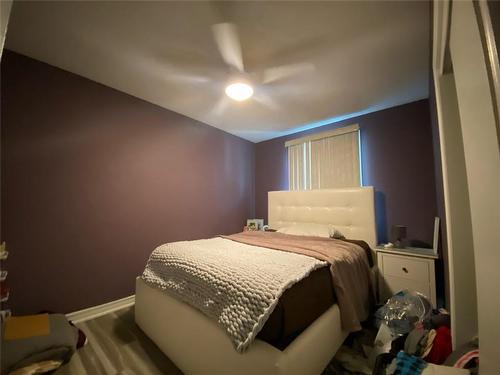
96, 311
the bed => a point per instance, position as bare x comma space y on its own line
197, 345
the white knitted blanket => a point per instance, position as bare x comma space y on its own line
235, 284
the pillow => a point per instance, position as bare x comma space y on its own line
335, 233
308, 229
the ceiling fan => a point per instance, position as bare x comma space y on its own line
241, 83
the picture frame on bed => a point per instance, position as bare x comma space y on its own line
255, 224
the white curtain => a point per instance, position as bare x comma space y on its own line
325, 161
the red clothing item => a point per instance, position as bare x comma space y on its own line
441, 347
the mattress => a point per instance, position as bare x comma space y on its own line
290, 318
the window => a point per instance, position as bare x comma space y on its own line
326, 160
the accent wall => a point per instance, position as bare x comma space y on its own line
397, 158
94, 179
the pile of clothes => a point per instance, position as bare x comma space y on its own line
407, 335
411, 335
405, 364
427, 340
35, 344
424, 344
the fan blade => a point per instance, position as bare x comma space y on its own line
285, 71
228, 42
220, 107
179, 71
186, 78
266, 100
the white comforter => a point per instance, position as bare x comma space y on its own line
235, 284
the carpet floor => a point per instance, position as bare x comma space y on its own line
116, 345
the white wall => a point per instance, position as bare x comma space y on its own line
5, 7
482, 159
471, 158
463, 301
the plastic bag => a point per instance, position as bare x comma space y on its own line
402, 311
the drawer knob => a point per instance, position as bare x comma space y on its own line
405, 270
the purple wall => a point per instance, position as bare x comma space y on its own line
397, 159
93, 179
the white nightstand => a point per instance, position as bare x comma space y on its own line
409, 268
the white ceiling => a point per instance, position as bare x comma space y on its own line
367, 56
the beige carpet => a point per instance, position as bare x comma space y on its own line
117, 346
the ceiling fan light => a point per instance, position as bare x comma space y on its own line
239, 91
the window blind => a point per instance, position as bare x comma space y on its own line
299, 166
326, 160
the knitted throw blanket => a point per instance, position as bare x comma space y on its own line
235, 284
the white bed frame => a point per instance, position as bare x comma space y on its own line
197, 345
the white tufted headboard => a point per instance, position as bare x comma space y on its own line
350, 210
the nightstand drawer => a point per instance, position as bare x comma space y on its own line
406, 268
394, 284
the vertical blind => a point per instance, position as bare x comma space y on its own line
325, 160
299, 157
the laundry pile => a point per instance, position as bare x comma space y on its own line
411, 335
411, 352
405, 364
406, 336
427, 341
36, 344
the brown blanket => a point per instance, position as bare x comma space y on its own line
348, 266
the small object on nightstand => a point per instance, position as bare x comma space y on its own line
398, 235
